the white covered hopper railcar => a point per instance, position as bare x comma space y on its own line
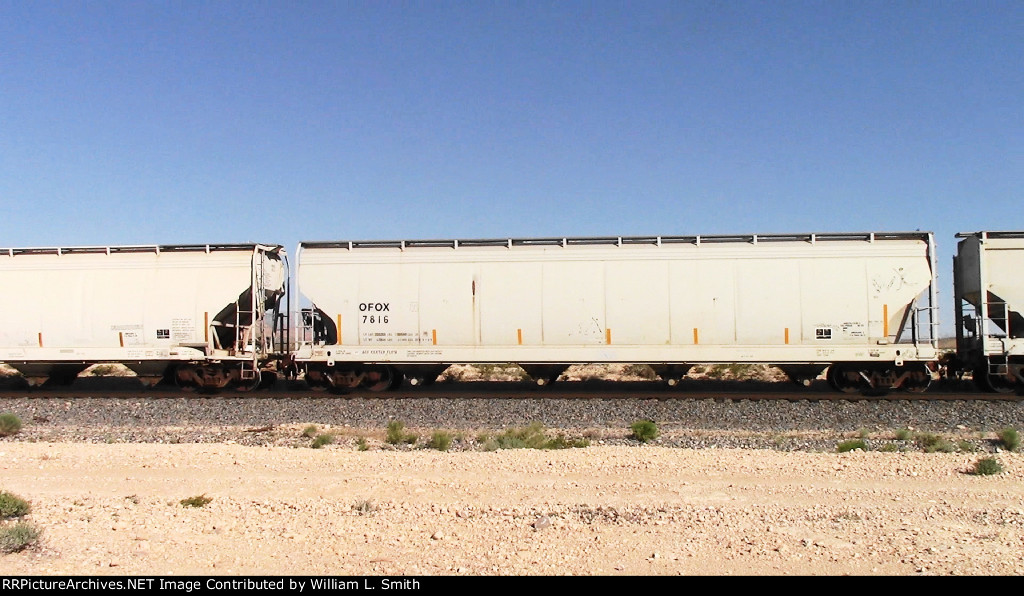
861, 304
989, 293
194, 314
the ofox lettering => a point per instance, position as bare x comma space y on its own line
374, 306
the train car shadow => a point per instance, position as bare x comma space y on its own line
131, 386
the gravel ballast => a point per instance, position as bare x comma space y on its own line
689, 423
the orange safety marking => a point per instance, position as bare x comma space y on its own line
885, 320
608, 336
787, 335
519, 332
339, 330
120, 338
434, 334
696, 336
40, 339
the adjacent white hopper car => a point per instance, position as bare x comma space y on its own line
989, 294
861, 305
200, 316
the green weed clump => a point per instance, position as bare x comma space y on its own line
9, 424
904, 434
852, 445
17, 537
1009, 438
12, 506
396, 434
197, 501
321, 440
531, 437
644, 430
309, 432
931, 443
440, 440
987, 466
361, 444
560, 442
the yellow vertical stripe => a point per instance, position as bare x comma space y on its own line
608, 336
434, 335
885, 320
787, 335
40, 339
696, 336
519, 333
339, 329
206, 327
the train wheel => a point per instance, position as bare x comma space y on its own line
844, 379
314, 380
247, 385
319, 382
341, 380
183, 378
378, 378
919, 379
993, 383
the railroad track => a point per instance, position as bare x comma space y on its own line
126, 387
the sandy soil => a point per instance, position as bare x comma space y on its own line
638, 510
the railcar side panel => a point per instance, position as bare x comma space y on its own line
638, 302
511, 310
752, 299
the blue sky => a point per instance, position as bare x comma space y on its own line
195, 122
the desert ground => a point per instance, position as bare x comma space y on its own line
116, 509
